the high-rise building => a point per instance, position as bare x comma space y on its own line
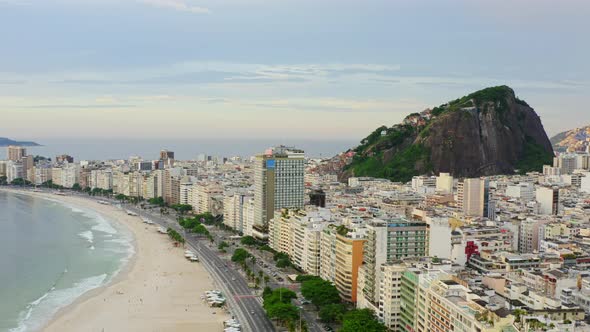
3, 167
388, 241
473, 196
233, 207
278, 183
28, 164
317, 198
143, 165
548, 200
567, 163
444, 183
165, 154
167, 158
42, 174
524, 191
341, 255
16, 153
14, 170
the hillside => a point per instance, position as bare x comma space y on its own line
576, 139
6, 142
488, 132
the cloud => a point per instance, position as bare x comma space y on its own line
180, 5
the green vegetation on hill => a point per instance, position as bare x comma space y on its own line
534, 157
401, 166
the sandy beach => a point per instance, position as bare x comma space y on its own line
159, 290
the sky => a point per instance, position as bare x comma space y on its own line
290, 69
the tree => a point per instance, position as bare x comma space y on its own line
182, 208
280, 255
304, 277
20, 182
320, 292
159, 201
223, 245
277, 304
3, 180
76, 187
283, 262
332, 313
121, 197
240, 255
175, 236
279, 295
283, 312
361, 320
248, 240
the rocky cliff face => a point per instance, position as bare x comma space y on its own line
487, 132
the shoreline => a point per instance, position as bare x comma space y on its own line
162, 306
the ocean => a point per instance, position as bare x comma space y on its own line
109, 148
50, 254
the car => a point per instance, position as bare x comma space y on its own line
280, 279
233, 278
252, 312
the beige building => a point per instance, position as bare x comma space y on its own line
341, 255
444, 183
42, 174
16, 153
471, 196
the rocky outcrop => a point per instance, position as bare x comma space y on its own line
487, 132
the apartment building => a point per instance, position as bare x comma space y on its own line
472, 197
233, 208
387, 241
548, 200
341, 255
16, 153
298, 233
43, 174
444, 183
278, 183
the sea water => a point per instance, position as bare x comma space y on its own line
51, 253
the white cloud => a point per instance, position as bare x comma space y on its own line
180, 5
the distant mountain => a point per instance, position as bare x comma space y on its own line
576, 139
488, 132
6, 142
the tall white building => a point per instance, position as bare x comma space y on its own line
233, 208
524, 191
186, 187
548, 199
278, 183
14, 170
248, 216
585, 182
42, 174
567, 163
101, 178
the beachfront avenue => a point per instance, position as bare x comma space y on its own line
245, 306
